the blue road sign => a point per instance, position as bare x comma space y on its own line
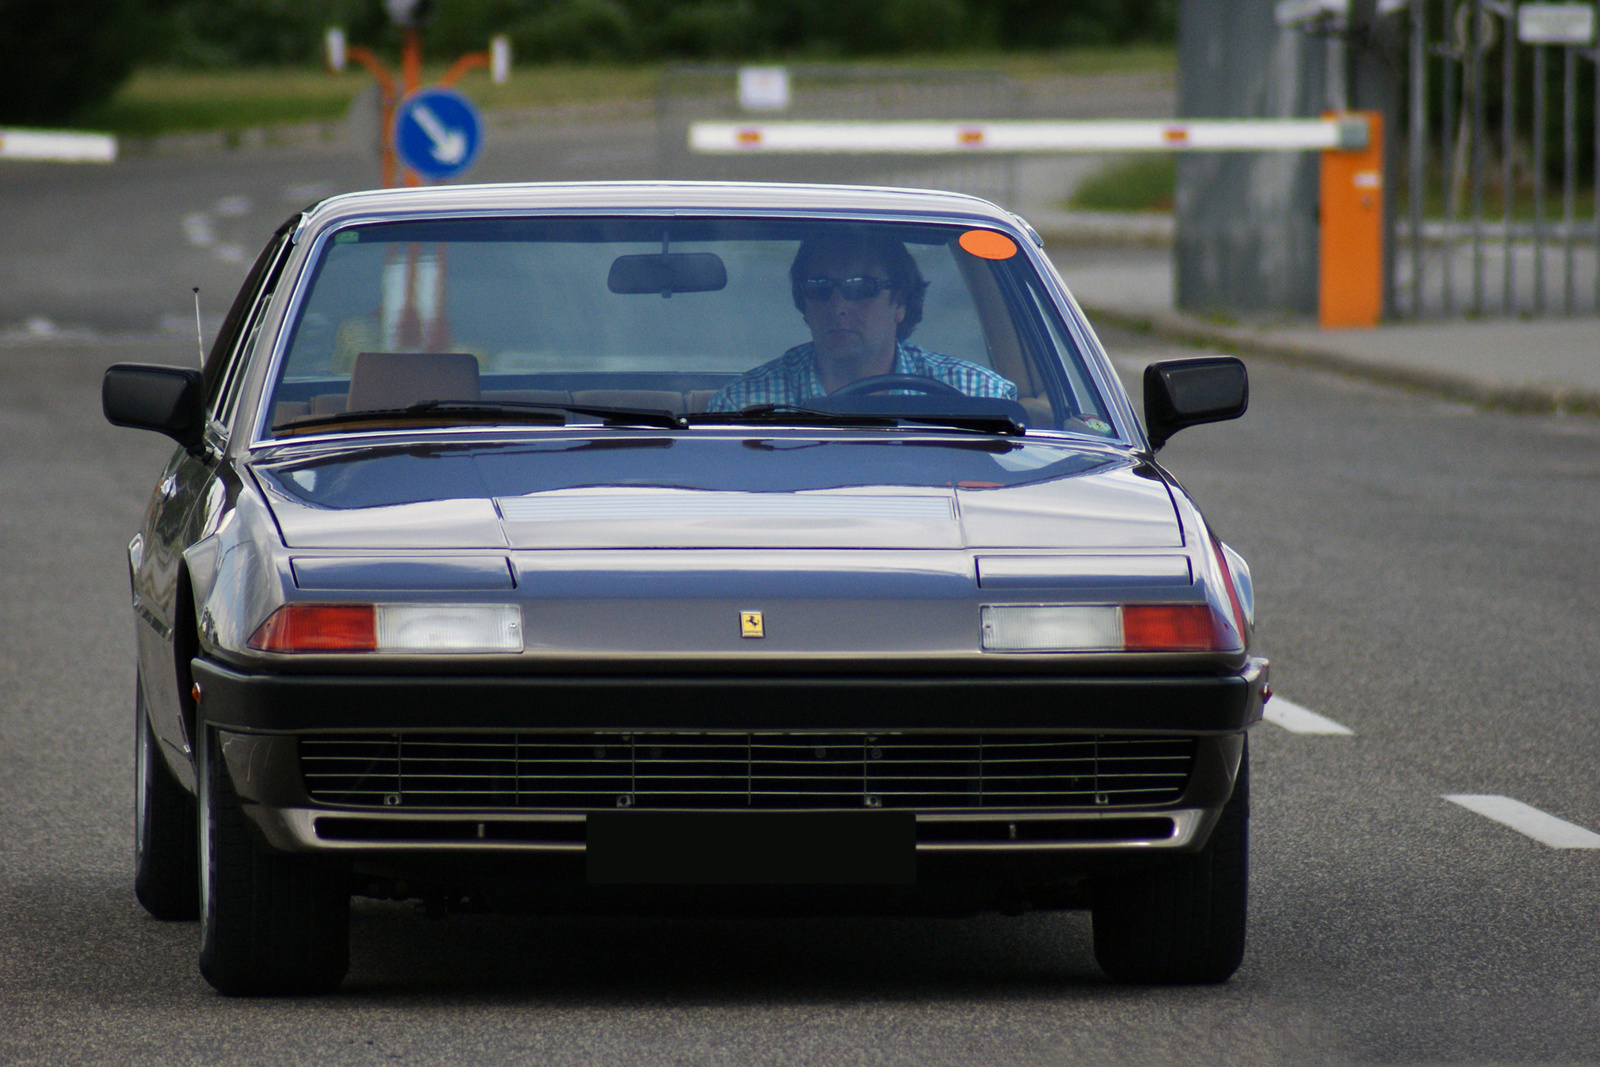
437, 133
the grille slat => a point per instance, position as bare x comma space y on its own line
605, 771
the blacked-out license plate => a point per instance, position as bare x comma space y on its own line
752, 848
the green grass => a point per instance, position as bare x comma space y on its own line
1142, 183
156, 101
167, 101
1149, 182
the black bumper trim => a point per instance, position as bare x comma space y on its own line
1182, 705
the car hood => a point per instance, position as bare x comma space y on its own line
721, 491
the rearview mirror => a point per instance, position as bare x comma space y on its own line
1187, 392
149, 397
667, 273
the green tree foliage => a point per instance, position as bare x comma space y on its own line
58, 57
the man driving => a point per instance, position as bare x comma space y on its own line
861, 295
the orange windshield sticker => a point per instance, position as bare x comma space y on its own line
986, 244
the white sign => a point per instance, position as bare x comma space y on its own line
1289, 13
500, 59
1555, 23
764, 88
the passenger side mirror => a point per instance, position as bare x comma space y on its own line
144, 396
1187, 392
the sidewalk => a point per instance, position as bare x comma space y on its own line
1550, 363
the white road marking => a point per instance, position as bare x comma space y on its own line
197, 228
1546, 829
232, 207
1295, 719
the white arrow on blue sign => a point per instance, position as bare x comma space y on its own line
437, 133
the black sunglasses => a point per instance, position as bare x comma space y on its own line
863, 288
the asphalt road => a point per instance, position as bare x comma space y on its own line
1426, 577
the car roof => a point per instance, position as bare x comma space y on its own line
700, 198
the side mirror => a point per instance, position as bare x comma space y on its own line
1187, 392
168, 400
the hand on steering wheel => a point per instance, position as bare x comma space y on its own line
883, 383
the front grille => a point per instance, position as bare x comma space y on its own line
587, 771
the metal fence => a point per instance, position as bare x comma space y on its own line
1495, 220
817, 92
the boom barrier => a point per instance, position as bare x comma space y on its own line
1350, 277
901, 138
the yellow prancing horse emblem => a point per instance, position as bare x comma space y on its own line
750, 624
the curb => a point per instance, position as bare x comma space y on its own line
1523, 399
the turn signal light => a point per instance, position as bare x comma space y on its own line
1169, 628
318, 628
392, 628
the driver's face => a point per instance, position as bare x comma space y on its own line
853, 338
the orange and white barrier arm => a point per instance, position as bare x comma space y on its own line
1205, 135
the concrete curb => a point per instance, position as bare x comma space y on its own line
1534, 398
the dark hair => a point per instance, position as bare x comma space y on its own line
905, 280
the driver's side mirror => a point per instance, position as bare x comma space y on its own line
145, 396
1188, 392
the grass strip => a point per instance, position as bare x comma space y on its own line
163, 100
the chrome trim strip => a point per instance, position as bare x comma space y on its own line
294, 829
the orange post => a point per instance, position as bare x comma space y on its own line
1350, 278
468, 62
411, 74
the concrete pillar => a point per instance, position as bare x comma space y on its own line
1246, 223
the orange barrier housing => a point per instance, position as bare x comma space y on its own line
1350, 274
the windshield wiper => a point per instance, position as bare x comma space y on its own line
493, 409
795, 415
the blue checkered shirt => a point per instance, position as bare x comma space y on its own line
792, 378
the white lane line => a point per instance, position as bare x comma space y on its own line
1295, 719
1547, 829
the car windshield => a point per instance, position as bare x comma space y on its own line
710, 320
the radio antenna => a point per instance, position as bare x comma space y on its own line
199, 336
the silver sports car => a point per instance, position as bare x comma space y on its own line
611, 547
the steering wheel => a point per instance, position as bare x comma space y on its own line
882, 383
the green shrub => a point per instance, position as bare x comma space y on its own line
58, 57
1141, 183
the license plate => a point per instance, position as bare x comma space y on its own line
752, 848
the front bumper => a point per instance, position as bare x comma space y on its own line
263, 719
1193, 705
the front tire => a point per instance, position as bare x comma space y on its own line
1181, 922
166, 876
271, 923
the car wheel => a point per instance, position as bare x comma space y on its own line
166, 877
270, 923
1182, 921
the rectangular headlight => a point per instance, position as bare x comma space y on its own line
449, 628
1052, 628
